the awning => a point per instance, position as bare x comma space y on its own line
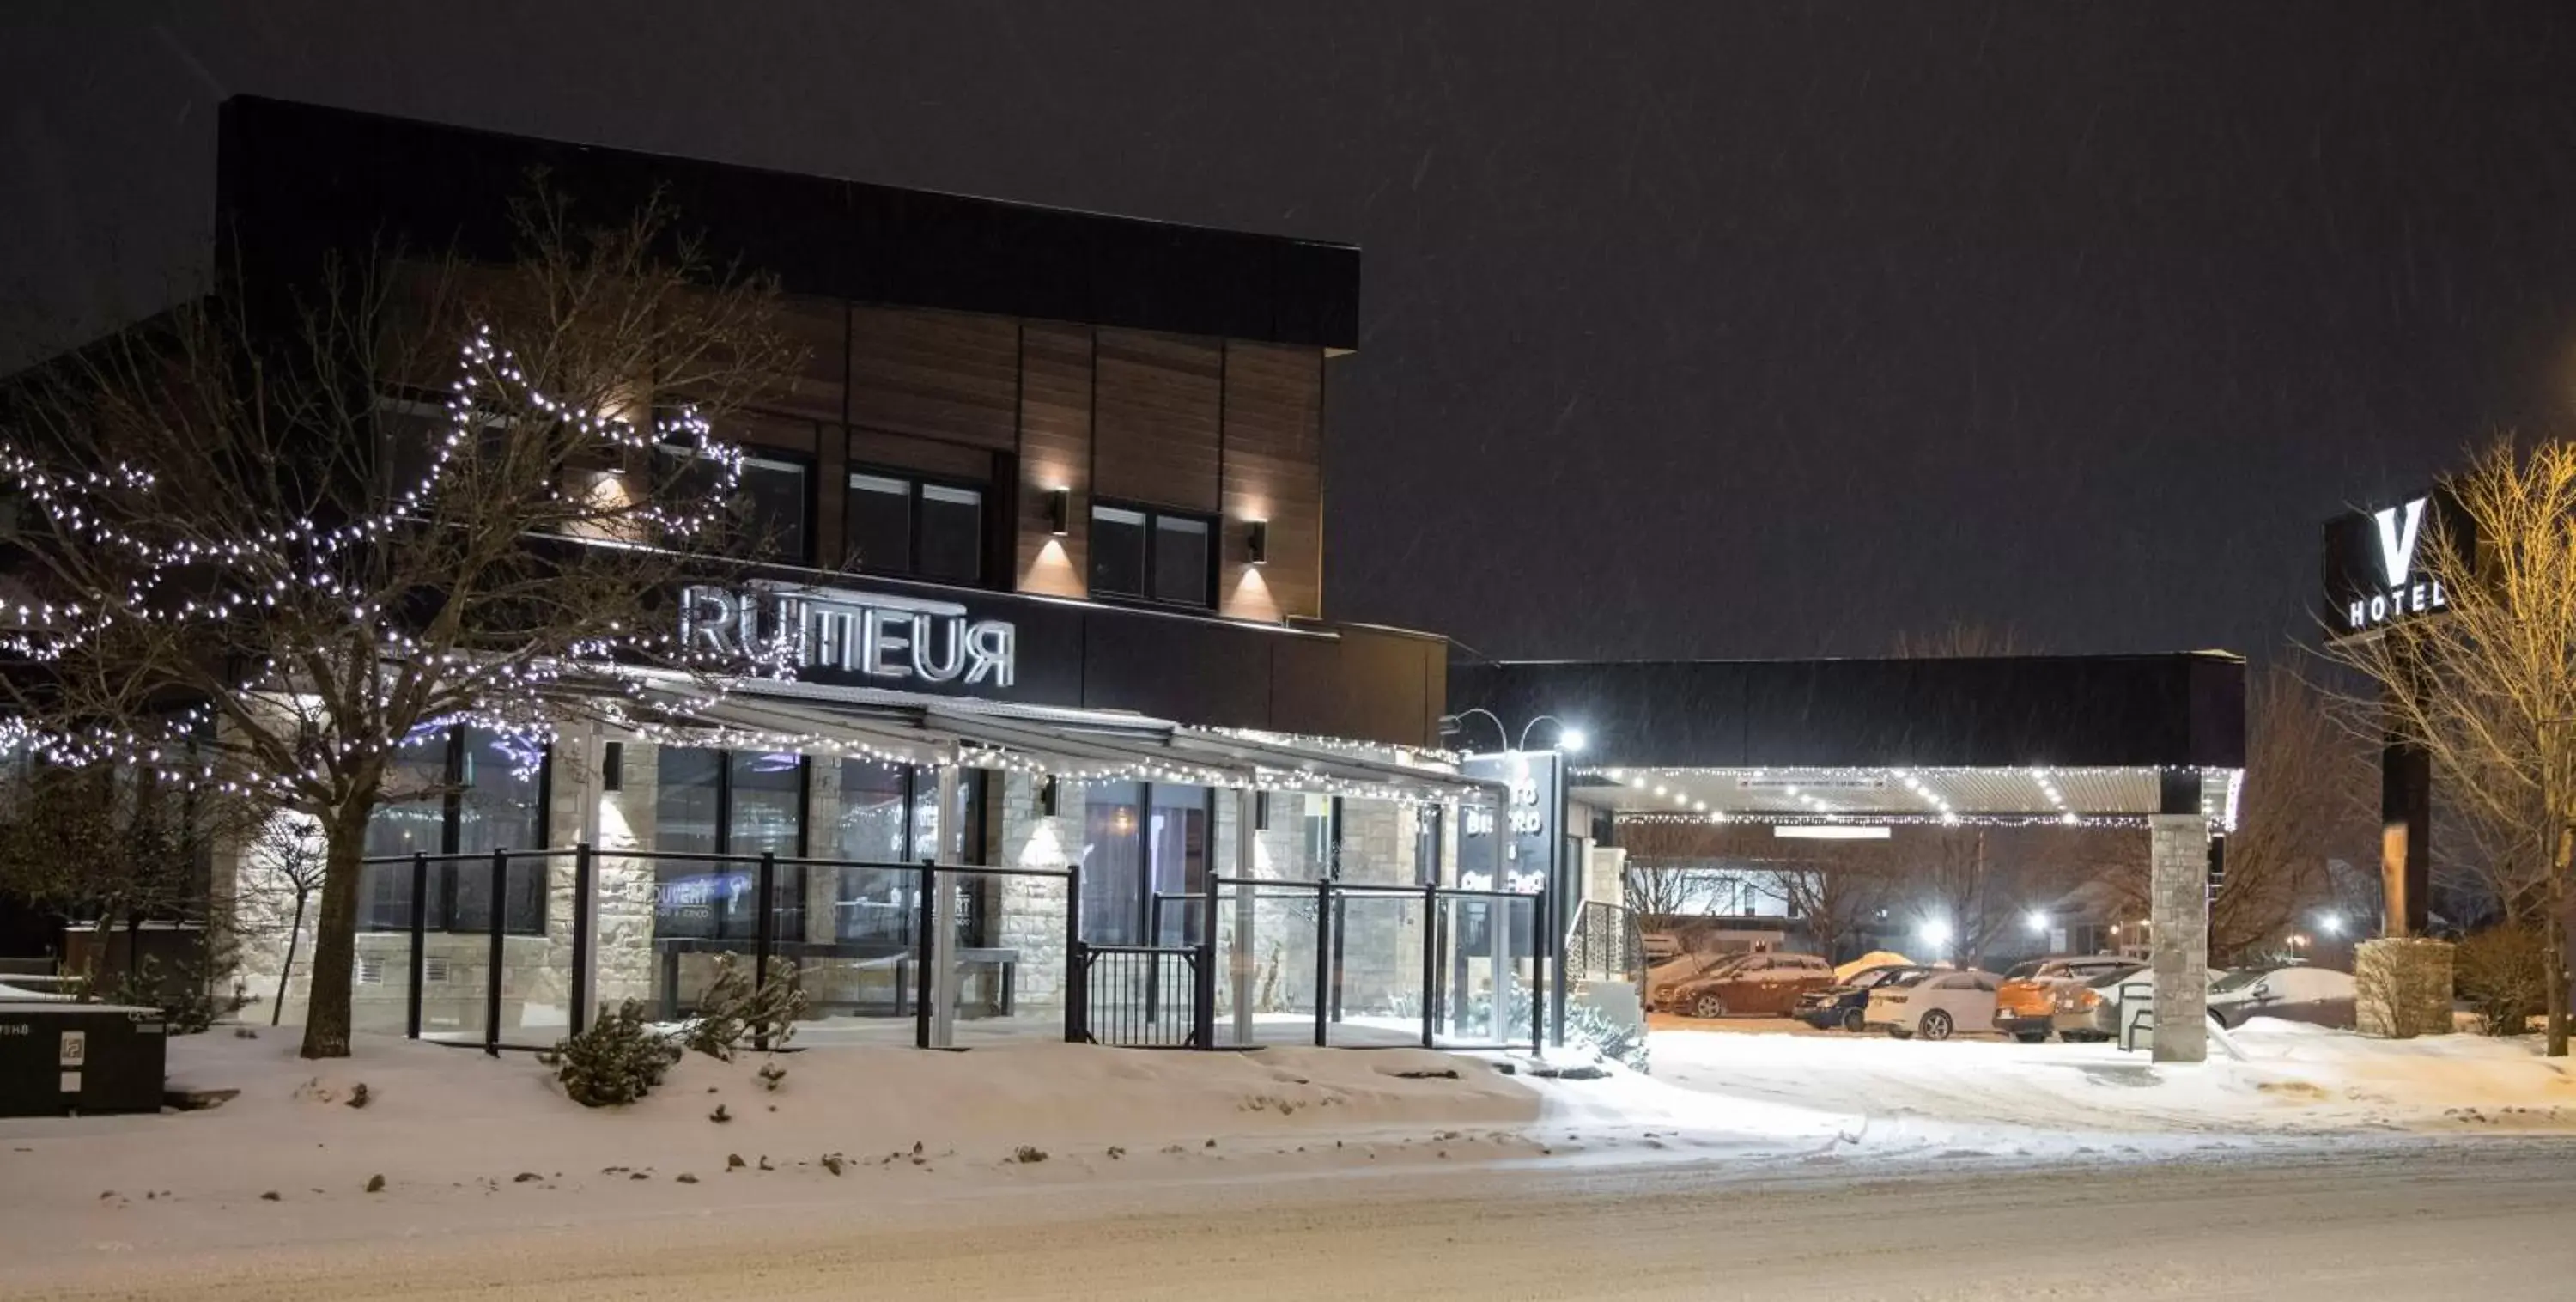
1076, 745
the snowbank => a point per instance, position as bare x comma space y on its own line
296, 1151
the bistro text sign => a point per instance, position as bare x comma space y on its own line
871, 635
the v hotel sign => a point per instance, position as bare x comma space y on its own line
2374, 577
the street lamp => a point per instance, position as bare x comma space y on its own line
1568, 738
2038, 922
2331, 924
1936, 934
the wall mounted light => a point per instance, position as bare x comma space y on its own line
1060, 511
1050, 798
1261, 811
1257, 545
612, 766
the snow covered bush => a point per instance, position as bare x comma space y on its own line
2500, 973
1619, 1041
618, 1060
2402, 987
734, 1010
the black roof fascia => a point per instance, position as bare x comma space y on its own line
2183, 710
295, 180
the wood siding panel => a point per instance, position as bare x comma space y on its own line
1274, 471
814, 383
1055, 452
941, 375
1158, 401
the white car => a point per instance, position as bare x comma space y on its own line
1935, 1005
2317, 995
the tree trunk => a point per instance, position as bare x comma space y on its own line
286, 970
2554, 952
335, 932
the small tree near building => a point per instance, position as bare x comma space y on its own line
2488, 686
264, 548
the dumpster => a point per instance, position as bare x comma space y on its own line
62, 1059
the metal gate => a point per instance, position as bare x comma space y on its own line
1143, 996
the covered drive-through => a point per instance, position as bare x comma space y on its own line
1678, 751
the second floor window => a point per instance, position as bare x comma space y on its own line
771, 501
915, 528
1156, 555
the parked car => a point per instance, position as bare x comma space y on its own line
2091, 1010
1934, 1004
2098, 1009
2026, 1002
1659, 946
1846, 1004
1663, 978
2296, 993
1761, 983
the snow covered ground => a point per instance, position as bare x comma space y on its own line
2282, 1081
468, 1145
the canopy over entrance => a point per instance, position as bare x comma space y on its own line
1076, 745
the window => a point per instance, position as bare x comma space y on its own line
726, 803
1142, 840
475, 791
1154, 555
921, 529
771, 502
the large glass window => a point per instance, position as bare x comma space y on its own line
1140, 841
873, 904
901, 525
1155, 555
726, 803
471, 791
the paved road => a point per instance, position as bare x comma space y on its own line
2485, 1221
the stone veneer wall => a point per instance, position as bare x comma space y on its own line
2178, 896
1028, 912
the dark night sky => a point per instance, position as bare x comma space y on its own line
1689, 329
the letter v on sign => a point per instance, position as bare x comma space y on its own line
2397, 541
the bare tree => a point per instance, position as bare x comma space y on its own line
2305, 797
291, 866
2488, 686
268, 545
1832, 888
1655, 889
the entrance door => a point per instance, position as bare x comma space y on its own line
1141, 840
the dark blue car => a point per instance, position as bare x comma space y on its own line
1842, 1005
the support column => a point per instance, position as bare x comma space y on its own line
2405, 838
1240, 959
2178, 935
942, 905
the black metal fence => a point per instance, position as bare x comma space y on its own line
907, 952
1480, 961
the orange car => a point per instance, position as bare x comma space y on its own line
2026, 1002
1760, 984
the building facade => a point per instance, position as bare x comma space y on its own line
1045, 501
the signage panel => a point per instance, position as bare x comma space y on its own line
2378, 570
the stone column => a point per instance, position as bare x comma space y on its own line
2178, 935
1029, 911
622, 939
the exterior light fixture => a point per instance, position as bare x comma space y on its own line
1060, 511
612, 766
1936, 933
1050, 798
1256, 547
2038, 922
2331, 924
1573, 740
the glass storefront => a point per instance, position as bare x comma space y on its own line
1141, 841
474, 791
